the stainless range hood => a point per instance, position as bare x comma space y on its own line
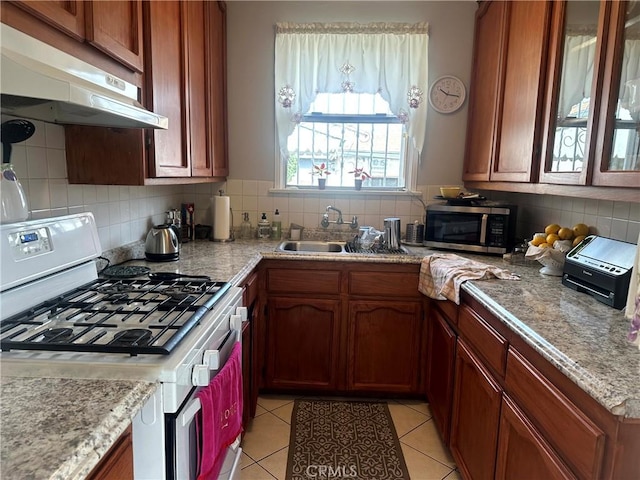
40, 82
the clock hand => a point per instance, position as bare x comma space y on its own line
443, 92
453, 95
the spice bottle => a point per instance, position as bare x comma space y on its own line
276, 226
264, 227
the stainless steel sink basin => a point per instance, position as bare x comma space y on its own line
312, 246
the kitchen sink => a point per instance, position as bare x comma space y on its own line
312, 246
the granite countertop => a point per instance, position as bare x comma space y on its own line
583, 338
59, 429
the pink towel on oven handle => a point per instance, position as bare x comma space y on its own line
220, 420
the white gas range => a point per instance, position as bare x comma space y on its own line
58, 319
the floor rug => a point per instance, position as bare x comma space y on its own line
344, 440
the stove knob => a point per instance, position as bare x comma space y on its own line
200, 376
235, 323
244, 314
211, 359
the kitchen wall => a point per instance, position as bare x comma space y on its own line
125, 214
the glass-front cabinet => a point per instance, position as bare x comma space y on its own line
592, 132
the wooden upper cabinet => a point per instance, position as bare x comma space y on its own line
65, 15
115, 27
166, 63
184, 80
485, 81
506, 102
524, 61
617, 156
216, 41
593, 95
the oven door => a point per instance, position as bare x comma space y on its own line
182, 436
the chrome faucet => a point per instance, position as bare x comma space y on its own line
339, 221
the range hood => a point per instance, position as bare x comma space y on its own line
40, 82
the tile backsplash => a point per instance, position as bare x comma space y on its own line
125, 214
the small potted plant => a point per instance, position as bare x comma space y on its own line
359, 176
322, 172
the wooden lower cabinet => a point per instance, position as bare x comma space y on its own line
303, 337
476, 414
441, 351
384, 346
522, 450
117, 464
343, 327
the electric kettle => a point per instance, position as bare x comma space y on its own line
162, 244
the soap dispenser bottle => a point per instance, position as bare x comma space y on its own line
245, 227
276, 226
264, 227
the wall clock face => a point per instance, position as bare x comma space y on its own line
447, 94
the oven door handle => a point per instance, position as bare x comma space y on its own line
483, 229
190, 412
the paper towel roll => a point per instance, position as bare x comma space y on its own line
221, 218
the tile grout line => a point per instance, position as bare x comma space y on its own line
432, 458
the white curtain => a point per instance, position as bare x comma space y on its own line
630, 78
389, 58
577, 71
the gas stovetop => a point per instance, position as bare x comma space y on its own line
114, 316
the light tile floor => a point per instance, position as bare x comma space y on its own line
266, 441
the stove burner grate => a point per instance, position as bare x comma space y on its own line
57, 335
131, 337
99, 305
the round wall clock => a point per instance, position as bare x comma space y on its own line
447, 94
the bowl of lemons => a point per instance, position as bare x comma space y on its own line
551, 246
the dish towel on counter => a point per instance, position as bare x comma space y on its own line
220, 421
441, 275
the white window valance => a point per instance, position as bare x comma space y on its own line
385, 58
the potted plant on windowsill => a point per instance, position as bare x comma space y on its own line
322, 172
359, 176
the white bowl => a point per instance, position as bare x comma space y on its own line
551, 258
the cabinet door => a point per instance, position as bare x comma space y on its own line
303, 338
217, 88
65, 15
522, 451
617, 159
117, 464
483, 98
521, 100
476, 412
574, 80
115, 27
384, 346
441, 348
165, 71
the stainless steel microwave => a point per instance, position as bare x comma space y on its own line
486, 227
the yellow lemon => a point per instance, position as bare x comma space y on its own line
537, 241
580, 229
565, 233
552, 237
553, 228
577, 240
544, 245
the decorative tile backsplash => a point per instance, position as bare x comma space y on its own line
125, 214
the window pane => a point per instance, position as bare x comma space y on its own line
348, 132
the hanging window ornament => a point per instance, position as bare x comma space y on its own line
414, 97
286, 96
403, 116
347, 85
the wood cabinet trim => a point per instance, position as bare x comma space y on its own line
484, 339
578, 440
